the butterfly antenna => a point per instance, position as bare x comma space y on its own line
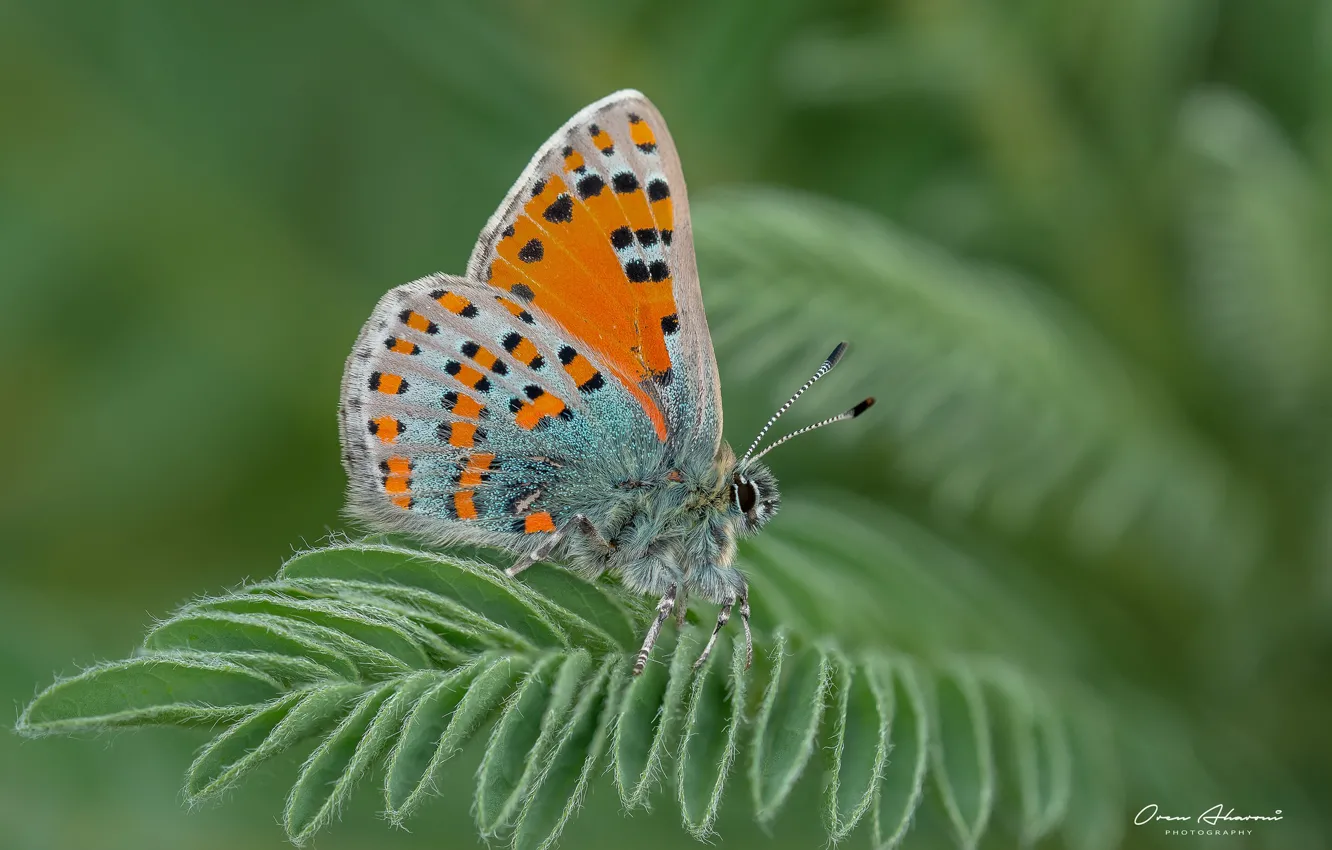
833, 360
841, 417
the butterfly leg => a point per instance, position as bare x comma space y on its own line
579, 523
749, 639
722, 619
663, 611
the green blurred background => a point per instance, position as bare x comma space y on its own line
200, 203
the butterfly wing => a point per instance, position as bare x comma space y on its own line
469, 417
596, 233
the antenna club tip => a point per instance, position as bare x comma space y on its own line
836, 355
862, 407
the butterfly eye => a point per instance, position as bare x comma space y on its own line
745, 496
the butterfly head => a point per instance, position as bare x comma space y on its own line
754, 494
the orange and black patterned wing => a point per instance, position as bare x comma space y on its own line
596, 234
467, 417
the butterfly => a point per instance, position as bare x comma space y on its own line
561, 400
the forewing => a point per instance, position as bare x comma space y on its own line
462, 411
596, 233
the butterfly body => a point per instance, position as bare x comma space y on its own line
561, 400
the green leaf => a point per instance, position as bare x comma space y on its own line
787, 724
221, 632
453, 622
157, 690
558, 791
862, 720
330, 660
328, 777
519, 746
481, 589
649, 715
269, 730
962, 755
1035, 753
589, 613
711, 736
399, 639
903, 785
440, 723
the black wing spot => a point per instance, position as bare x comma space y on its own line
637, 271
508, 231
667, 236
469, 312
560, 210
647, 237
374, 380
532, 252
590, 186
511, 341
657, 190
538, 187
533, 392
624, 182
621, 237
659, 270
522, 291
567, 355
670, 324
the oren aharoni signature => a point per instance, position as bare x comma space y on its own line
1211, 817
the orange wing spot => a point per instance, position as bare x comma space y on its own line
654, 353
402, 346
636, 209
398, 466
473, 475
468, 407
641, 135
573, 160
664, 212
481, 461
468, 376
463, 504
471, 478
484, 358
601, 139
462, 435
453, 302
402, 501
396, 484
580, 370
516, 309
532, 412
525, 351
417, 322
538, 522
389, 384
386, 428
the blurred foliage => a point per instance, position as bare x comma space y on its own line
1080, 247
